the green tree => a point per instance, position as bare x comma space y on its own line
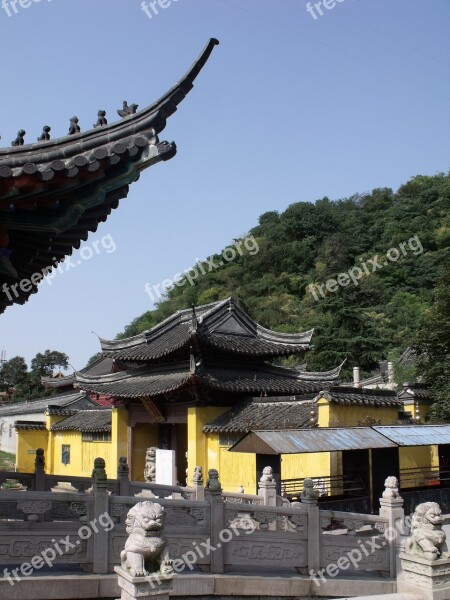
433, 349
45, 364
13, 372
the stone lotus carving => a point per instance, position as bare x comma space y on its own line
145, 549
391, 488
150, 465
428, 540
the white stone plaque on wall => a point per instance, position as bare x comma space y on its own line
165, 467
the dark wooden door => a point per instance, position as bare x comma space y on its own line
269, 460
385, 462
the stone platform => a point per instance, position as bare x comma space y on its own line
79, 586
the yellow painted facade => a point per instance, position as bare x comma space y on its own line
207, 450
82, 453
144, 436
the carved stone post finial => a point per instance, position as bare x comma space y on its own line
99, 473
123, 472
197, 481
39, 471
391, 507
391, 489
309, 495
212, 483
267, 487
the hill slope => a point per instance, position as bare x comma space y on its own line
374, 310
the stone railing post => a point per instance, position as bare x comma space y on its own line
39, 471
309, 499
213, 494
101, 501
197, 483
267, 488
123, 481
391, 508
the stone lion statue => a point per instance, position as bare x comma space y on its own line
198, 475
150, 465
213, 483
391, 488
427, 539
145, 549
267, 474
309, 493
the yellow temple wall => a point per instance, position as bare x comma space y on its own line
26, 445
203, 449
82, 455
145, 435
350, 416
417, 457
119, 436
299, 466
236, 469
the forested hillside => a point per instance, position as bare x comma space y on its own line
311, 243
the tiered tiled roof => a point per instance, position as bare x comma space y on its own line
220, 325
215, 348
162, 379
54, 192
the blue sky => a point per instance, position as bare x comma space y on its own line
289, 108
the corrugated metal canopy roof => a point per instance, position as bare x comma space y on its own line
416, 435
294, 441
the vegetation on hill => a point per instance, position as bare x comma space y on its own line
24, 384
364, 320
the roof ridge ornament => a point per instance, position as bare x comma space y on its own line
127, 110
45, 135
20, 139
194, 321
74, 127
101, 121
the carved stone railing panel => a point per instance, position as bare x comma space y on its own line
21, 543
9, 511
34, 509
254, 550
351, 523
266, 518
369, 554
240, 499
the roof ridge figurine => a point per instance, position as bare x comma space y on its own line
127, 110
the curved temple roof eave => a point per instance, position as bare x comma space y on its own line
152, 117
